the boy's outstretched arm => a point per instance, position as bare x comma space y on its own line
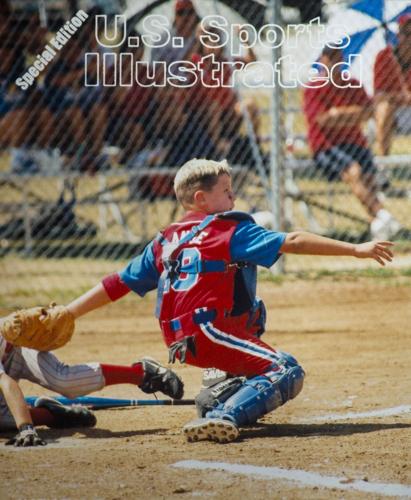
110, 289
301, 242
93, 299
140, 275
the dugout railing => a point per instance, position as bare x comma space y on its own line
111, 214
117, 212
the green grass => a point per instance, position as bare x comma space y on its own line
21, 298
63, 281
392, 275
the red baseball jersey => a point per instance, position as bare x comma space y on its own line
208, 289
318, 100
388, 75
204, 268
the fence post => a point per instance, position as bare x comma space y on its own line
28, 242
102, 206
276, 159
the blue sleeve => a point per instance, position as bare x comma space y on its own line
253, 243
141, 274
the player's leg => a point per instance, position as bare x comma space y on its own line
352, 176
239, 401
361, 176
255, 326
48, 412
261, 394
272, 378
355, 166
232, 350
343, 162
384, 121
149, 375
45, 369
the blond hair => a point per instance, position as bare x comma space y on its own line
198, 174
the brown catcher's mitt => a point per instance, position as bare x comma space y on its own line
41, 328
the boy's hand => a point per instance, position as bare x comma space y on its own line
27, 436
377, 250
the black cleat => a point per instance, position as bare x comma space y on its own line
160, 378
66, 416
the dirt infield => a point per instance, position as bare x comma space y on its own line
352, 338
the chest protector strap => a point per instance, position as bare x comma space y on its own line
172, 267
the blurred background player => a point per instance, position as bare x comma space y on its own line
392, 88
335, 112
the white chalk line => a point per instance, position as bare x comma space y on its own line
301, 477
384, 412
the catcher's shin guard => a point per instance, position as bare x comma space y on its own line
158, 378
260, 395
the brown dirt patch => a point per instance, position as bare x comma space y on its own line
353, 339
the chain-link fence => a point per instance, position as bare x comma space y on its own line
347, 144
97, 114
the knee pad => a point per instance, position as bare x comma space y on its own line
260, 395
292, 384
286, 359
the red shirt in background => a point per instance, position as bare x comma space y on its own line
225, 97
322, 99
388, 74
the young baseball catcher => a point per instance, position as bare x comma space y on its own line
204, 268
27, 337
